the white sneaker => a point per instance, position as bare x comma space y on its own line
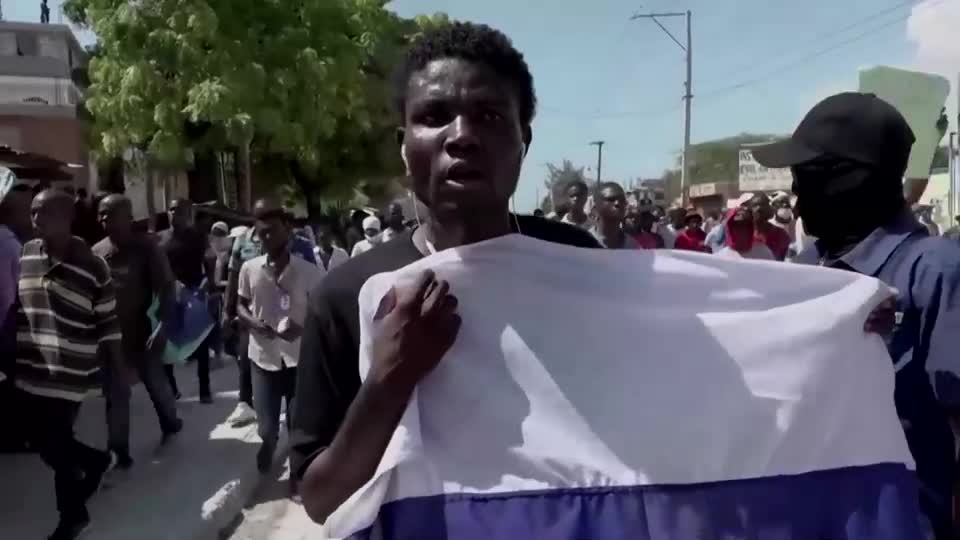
242, 415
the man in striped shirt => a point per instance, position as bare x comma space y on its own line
66, 325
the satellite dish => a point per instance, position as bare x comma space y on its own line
7, 180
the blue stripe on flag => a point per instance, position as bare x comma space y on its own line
876, 502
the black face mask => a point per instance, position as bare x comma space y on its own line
842, 202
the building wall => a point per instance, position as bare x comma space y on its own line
38, 98
60, 138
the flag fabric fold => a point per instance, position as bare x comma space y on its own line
644, 395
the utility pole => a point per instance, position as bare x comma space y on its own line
688, 87
599, 145
953, 196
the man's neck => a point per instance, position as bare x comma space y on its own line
443, 234
279, 260
609, 229
577, 215
58, 248
122, 240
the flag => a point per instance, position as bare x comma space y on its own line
642, 395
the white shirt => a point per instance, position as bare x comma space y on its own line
363, 246
586, 225
669, 235
758, 251
337, 257
271, 299
389, 234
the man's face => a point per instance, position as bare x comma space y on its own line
647, 219
612, 206
694, 223
677, 217
324, 236
51, 217
114, 217
463, 138
577, 195
17, 206
760, 206
743, 215
274, 234
181, 214
395, 216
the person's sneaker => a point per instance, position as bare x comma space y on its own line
94, 479
70, 529
241, 416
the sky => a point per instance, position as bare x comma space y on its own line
758, 66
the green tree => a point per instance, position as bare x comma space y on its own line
559, 177
297, 89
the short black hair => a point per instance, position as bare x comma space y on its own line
578, 183
476, 43
609, 185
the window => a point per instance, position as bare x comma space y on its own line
26, 44
51, 46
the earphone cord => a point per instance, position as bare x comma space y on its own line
430, 247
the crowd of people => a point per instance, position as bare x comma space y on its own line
83, 315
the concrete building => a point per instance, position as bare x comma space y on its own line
39, 97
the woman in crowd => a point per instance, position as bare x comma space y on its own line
692, 237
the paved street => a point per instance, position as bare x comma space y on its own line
192, 488
270, 515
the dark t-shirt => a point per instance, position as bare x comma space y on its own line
328, 376
139, 271
187, 252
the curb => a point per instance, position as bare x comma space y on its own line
223, 511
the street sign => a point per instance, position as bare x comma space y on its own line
755, 177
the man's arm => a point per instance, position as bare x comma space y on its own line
233, 281
327, 381
937, 290
109, 335
162, 284
10, 269
413, 329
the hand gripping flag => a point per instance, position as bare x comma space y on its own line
643, 395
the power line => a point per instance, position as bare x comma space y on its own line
817, 39
807, 58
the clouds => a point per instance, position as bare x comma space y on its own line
932, 30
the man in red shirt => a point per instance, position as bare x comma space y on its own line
774, 237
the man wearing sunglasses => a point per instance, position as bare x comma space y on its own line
848, 158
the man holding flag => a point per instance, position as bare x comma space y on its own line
373, 455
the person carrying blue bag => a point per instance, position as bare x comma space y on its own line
197, 298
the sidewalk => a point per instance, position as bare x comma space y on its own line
189, 489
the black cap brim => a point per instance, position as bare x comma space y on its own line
785, 153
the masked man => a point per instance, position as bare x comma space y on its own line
848, 157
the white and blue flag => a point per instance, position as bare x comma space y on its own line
643, 395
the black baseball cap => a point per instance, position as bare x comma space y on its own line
854, 126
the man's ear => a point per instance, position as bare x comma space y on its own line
527, 139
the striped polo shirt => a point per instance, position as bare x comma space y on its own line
66, 311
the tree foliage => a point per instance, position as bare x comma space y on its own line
559, 177
303, 85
